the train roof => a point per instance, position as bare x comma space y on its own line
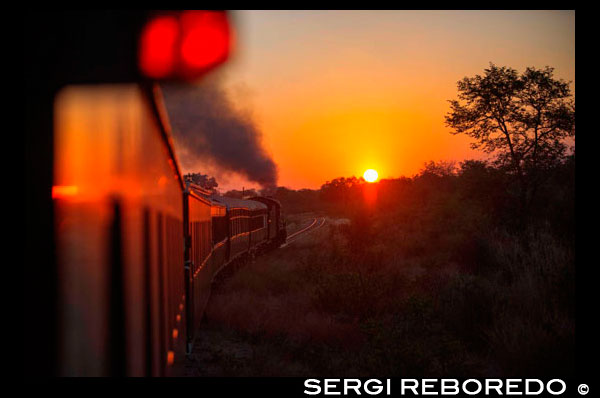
237, 203
203, 195
266, 199
216, 203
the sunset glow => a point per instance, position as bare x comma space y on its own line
330, 77
370, 175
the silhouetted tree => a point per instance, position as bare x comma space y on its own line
439, 168
341, 189
302, 200
524, 119
202, 179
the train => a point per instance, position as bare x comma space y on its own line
121, 250
137, 246
220, 231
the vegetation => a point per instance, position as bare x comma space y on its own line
439, 274
202, 180
523, 119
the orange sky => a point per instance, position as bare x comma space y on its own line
337, 92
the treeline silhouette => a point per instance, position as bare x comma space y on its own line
484, 191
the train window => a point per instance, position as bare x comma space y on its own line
219, 228
257, 222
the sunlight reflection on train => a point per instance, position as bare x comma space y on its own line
111, 174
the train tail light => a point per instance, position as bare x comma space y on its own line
184, 45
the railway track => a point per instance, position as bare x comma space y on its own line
316, 224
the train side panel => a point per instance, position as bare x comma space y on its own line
258, 227
220, 243
198, 253
119, 231
272, 221
276, 224
239, 233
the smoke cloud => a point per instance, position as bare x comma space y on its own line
207, 127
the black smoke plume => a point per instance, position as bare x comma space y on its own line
206, 126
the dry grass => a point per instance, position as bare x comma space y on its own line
407, 301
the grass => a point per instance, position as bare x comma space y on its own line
416, 298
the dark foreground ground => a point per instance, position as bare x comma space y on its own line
329, 305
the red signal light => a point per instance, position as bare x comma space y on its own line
205, 38
184, 45
158, 47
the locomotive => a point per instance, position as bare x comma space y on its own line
121, 250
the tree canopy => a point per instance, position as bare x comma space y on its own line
527, 121
524, 119
202, 179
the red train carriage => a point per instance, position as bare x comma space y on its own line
104, 213
121, 251
119, 233
219, 230
220, 252
205, 251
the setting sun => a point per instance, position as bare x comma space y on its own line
370, 175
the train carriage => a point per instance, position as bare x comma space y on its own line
258, 226
198, 256
122, 252
206, 251
246, 221
276, 231
119, 233
220, 253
